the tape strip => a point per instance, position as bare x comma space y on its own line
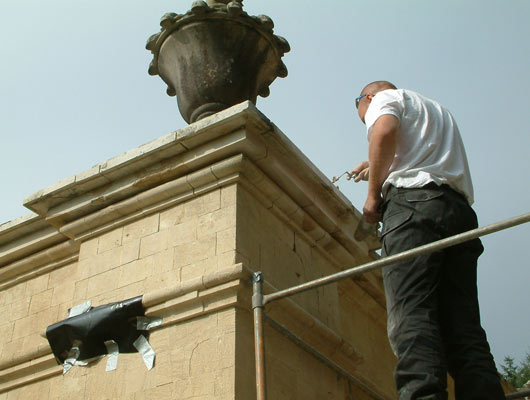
72, 357
80, 309
144, 348
113, 352
147, 323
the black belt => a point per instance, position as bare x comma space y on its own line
428, 186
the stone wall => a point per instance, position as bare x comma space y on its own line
340, 320
184, 221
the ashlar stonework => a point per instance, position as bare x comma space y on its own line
184, 221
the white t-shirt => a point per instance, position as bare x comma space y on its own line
428, 145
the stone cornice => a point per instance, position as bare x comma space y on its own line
241, 129
25, 236
130, 173
234, 169
39, 263
33, 370
237, 145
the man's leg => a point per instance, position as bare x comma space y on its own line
413, 330
469, 359
412, 293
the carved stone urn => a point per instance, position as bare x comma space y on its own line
216, 56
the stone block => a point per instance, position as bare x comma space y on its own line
154, 243
160, 281
48, 317
80, 292
110, 240
226, 240
184, 232
130, 251
12, 349
216, 221
40, 301
196, 387
16, 293
6, 310
3, 297
224, 383
63, 274
101, 384
102, 283
134, 373
83, 267
6, 331
37, 284
230, 258
171, 216
105, 261
226, 348
204, 204
69, 386
203, 357
282, 232
199, 250
159, 392
23, 327
19, 309
88, 248
220, 301
248, 243
135, 271
125, 292
198, 269
141, 228
229, 196
164, 261
226, 321
63, 293
32, 391
33, 341
63, 310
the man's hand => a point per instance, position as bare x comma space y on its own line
371, 210
360, 172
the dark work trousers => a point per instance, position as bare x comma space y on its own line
433, 313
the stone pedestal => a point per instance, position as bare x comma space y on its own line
184, 221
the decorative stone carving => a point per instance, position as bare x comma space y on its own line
216, 56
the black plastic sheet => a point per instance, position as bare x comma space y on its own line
90, 330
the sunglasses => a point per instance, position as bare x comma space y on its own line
358, 100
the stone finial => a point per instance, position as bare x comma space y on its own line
216, 56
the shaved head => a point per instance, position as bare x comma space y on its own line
378, 86
367, 94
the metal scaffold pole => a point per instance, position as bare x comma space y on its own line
259, 300
428, 248
259, 345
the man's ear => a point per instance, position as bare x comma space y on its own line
369, 96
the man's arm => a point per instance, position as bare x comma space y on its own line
381, 153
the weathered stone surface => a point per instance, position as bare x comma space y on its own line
185, 228
216, 56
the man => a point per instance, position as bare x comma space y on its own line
420, 186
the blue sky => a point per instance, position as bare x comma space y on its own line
74, 91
